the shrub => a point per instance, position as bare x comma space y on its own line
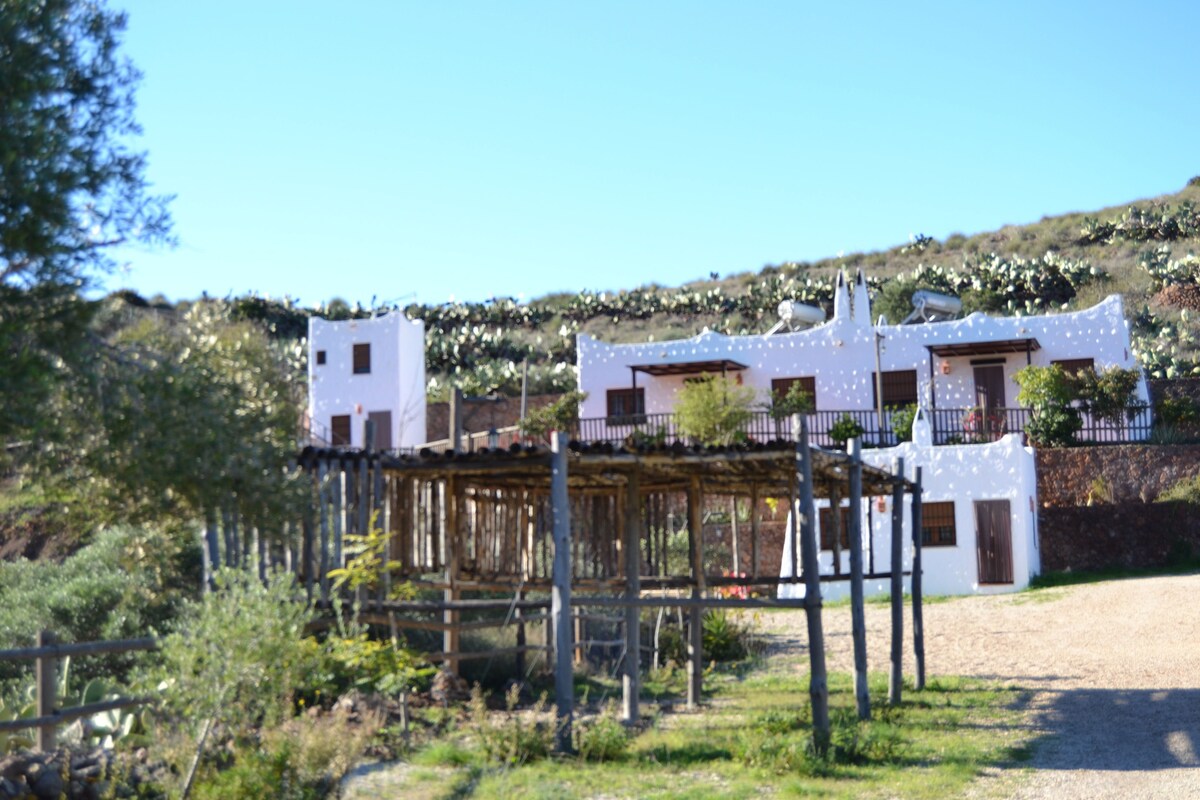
1186, 491
794, 401
902, 422
125, 584
1108, 395
724, 638
516, 738
561, 415
844, 429
714, 410
238, 654
1048, 392
603, 737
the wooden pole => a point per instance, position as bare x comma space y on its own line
835, 526
324, 513
858, 623
754, 528
630, 688
917, 612
46, 668
695, 627
733, 531
450, 637
560, 598
212, 554
818, 686
896, 669
456, 420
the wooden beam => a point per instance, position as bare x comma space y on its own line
695, 632
630, 683
818, 687
917, 612
453, 545
560, 598
896, 668
858, 623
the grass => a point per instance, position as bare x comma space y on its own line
752, 737
1052, 580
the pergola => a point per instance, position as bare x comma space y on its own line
583, 522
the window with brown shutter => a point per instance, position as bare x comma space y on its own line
825, 520
339, 430
1073, 366
362, 359
937, 525
808, 385
626, 402
899, 388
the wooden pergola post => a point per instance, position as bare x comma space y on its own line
451, 640
818, 687
695, 641
630, 683
560, 598
858, 622
917, 612
896, 669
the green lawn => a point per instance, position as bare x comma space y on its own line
752, 738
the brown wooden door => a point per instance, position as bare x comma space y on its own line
383, 429
993, 541
989, 386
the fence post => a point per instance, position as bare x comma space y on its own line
46, 668
560, 598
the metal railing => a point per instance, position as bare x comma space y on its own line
501, 438
949, 426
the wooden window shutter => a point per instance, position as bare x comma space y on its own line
362, 359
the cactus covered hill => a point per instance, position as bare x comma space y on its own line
1143, 250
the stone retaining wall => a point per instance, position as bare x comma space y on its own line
1137, 473
1126, 536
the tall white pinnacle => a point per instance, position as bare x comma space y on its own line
841, 298
862, 302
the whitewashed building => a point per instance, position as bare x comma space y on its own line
367, 369
960, 371
979, 521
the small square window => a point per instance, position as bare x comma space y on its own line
362, 359
320, 358
937, 525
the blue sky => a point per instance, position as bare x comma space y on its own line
422, 151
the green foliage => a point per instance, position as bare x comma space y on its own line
1186, 490
1110, 394
602, 737
237, 654
176, 420
1164, 272
794, 401
714, 410
1180, 414
516, 738
844, 429
259, 773
561, 415
125, 584
725, 638
349, 658
1152, 222
73, 188
1048, 392
902, 422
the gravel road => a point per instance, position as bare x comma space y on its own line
1115, 669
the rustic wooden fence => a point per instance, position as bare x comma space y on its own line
46, 656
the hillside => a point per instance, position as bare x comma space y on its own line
1065, 262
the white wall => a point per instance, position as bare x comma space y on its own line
396, 382
1002, 470
841, 355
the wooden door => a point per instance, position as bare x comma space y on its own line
989, 386
993, 541
383, 429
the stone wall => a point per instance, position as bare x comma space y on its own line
1132, 473
481, 415
1127, 536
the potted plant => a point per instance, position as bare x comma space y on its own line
844, 429
786, 403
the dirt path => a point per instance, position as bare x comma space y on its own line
1115, 667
